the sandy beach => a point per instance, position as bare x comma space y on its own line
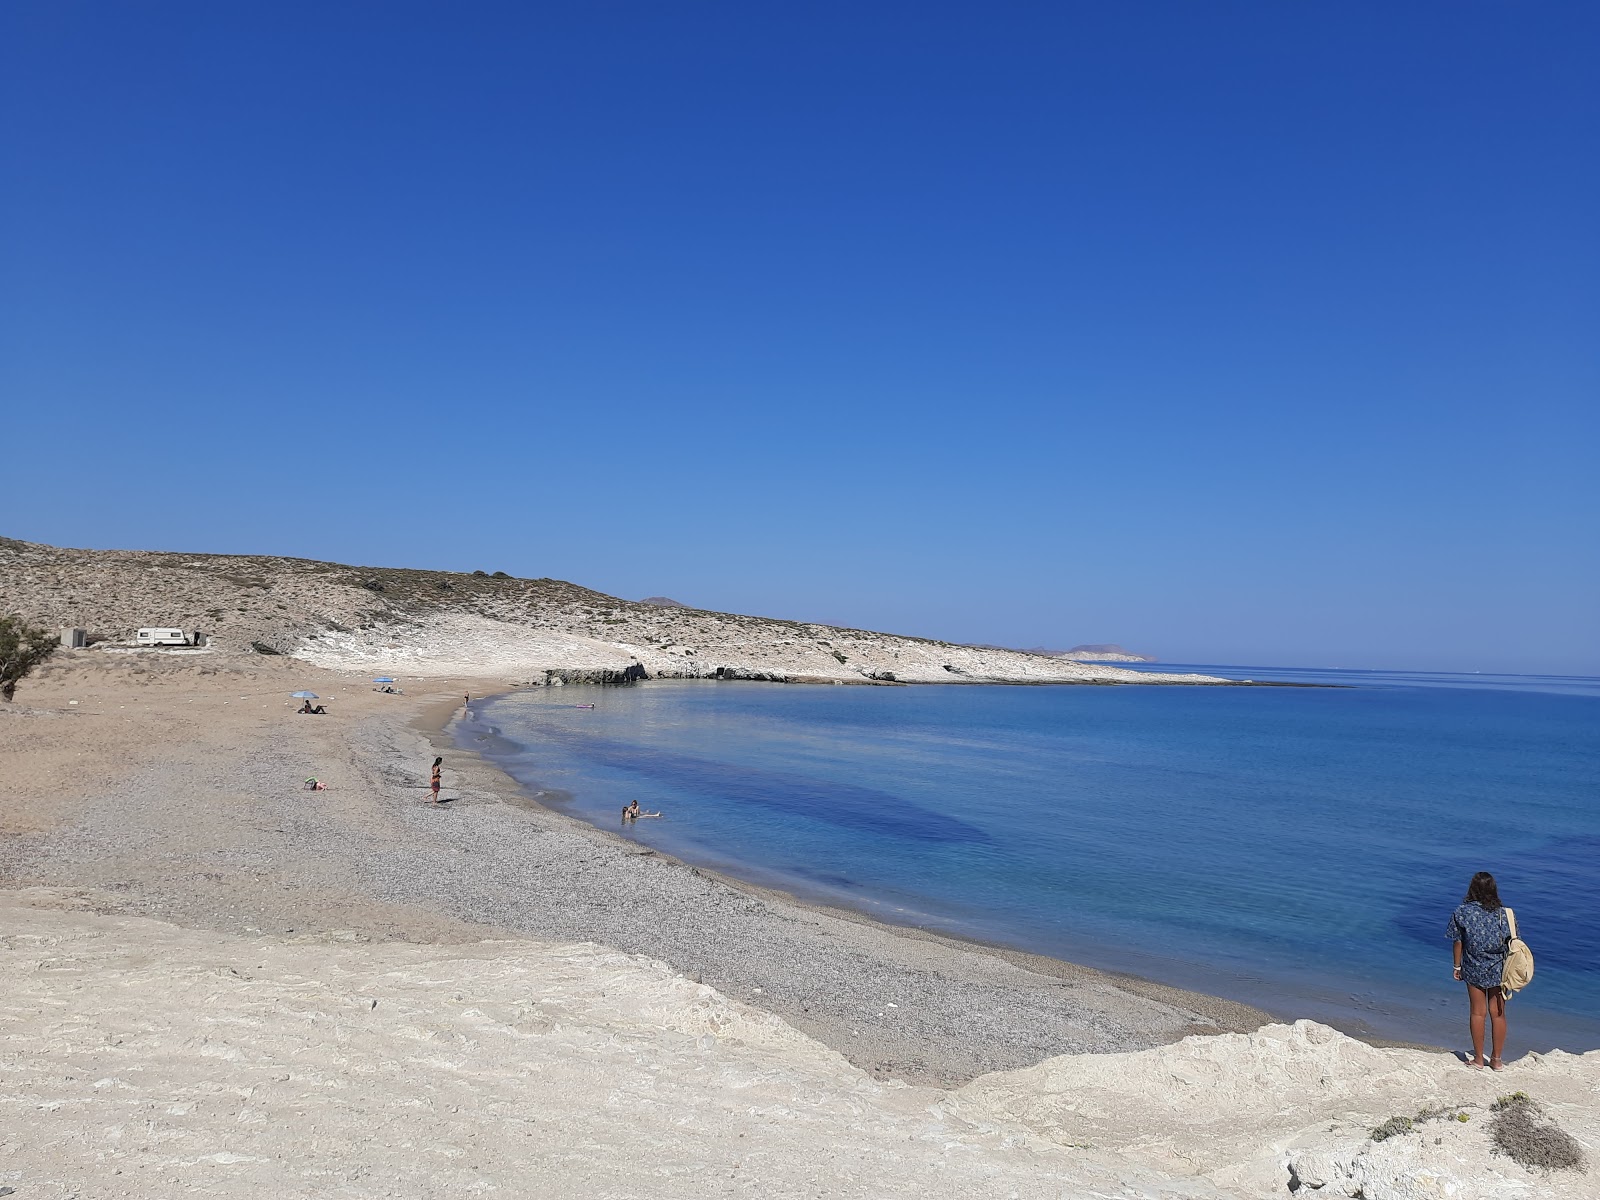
223, 983
177, 794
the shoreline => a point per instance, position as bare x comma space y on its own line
440, 725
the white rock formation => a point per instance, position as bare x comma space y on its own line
139, 1059
1242, 1110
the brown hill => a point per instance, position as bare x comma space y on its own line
422, 622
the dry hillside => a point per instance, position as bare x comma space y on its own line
442, 622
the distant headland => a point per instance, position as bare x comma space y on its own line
1094, 652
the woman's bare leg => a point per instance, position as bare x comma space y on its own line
1477, 1010
1497, 1014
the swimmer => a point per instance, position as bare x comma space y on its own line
631, 812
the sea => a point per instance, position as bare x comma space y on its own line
1298, 848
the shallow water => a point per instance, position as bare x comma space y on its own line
1295, 848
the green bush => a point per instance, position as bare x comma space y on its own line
22, 648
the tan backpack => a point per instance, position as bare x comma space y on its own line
1518, 970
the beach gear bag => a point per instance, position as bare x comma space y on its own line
1518, 970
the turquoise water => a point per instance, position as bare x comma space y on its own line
1296, 848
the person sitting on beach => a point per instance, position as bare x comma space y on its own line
631, 812
1480, 931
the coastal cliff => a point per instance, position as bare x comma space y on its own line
444, 623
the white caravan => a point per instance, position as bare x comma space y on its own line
162, 637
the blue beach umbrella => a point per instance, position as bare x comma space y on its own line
303, 696
384, 679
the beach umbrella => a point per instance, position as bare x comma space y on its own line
384, 679
303, 696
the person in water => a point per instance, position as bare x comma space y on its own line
1480, 931
631, 812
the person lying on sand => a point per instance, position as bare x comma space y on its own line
318, 711
631, 811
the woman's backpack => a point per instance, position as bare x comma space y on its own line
1518, 970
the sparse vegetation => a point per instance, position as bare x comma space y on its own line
1397, 1125
313, 604
22, 648
1522, 1132
1393, 1127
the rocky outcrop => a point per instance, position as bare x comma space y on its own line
1292, 1109
605, 676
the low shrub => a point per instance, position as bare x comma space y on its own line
1393, 1127
1521, 1131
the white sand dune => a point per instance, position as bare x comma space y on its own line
141, 1059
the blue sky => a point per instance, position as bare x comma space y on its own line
1247, 332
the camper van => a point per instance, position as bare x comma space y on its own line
162, 637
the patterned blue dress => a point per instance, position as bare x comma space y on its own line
1483, 936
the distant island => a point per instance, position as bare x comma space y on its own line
1102, 652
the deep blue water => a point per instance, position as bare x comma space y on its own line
1296, 848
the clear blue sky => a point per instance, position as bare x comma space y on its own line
1252, 332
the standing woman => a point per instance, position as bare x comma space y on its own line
1479, 929
435, 781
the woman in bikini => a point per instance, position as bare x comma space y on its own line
434, 782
